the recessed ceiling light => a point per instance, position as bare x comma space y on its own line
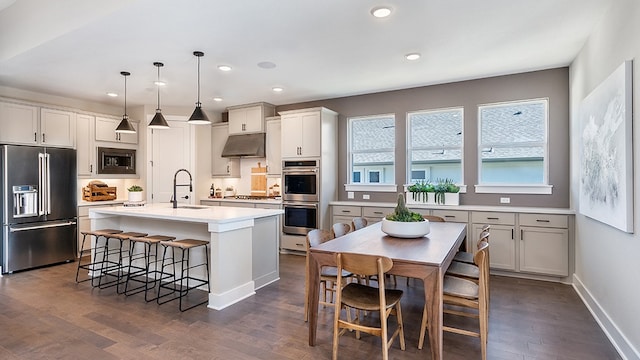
112, 94
224, 67
277, 89
218, 99
412, 56
266, 65
381, 11
160, 83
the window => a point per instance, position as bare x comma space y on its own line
435, 143
372, 151
512, 146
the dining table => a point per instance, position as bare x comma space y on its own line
426, 258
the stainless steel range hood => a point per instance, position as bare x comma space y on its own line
245, 145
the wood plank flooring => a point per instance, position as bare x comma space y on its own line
44, 314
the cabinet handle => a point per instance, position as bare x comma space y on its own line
43, 138
493, 218
346, 211
512, 238
299, 244
228, 169
450, 216
91, 168
521, 235
542, 220
35, 137
378, 212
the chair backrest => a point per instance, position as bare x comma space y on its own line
484, 236
481, 259
316, 237
339, 229
433, 218
358, 223
364, 264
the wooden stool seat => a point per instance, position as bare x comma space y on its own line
127, 235
185, 243
153, 239
101, 232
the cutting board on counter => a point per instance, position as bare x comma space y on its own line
259, 181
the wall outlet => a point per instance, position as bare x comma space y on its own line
365, 197
505, 200
349, 194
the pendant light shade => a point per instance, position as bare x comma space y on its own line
198, 117
125, 126
158, 121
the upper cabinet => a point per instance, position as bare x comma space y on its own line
106, 131
31, 125
86, 154
273, 146
250, 118
220, 166
305, 132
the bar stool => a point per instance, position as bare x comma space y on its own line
185, 245
141, 274
93, 261
111, 265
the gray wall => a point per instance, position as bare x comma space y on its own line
552, 84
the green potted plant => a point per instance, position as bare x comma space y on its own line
404, 223
135, 193
443, 192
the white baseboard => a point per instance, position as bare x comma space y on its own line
617, 338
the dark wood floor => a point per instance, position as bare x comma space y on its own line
44, 314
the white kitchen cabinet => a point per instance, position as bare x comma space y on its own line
57, 128
19, 123
456, 216
374, 214
30, 125
344, 214
220, 166
502, 242
250, 118
301, 138
273, 147
544, 244
86, 154
106, 131
84, 224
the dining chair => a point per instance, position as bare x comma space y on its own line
433, 218
467, 257
328, 275
362, 297
339, 229
466, 270
358, 223
464, 293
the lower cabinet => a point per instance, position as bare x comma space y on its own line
544, 244
502, 241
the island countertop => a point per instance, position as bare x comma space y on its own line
190, 213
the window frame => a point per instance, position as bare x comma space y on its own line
514, 188
364, 185
410, 148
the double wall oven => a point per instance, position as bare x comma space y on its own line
300, 196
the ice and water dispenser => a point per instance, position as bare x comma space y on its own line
25, 201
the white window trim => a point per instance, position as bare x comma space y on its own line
517, 188
409, 146
371, 187
514, 189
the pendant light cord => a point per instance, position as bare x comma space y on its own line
125, 96
198, 103
158, 88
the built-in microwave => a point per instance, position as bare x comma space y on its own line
116, 161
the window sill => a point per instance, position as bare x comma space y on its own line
371, 187
514, 189
463, 188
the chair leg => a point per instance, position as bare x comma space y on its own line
384, 335
423, 328
400, 325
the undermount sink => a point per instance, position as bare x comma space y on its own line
192, 207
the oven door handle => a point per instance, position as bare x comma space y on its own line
299, 171
312, 205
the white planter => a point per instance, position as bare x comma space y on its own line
449, 199
405, 229
135, 196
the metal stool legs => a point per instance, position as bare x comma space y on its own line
94, 265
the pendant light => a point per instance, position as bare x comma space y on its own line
199, 117
158, 121
125, 126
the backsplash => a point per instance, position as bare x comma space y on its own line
120, 184
242, 185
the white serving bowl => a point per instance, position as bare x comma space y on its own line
405, 229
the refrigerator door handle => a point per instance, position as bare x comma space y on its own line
41, 191
11, 229
48, 182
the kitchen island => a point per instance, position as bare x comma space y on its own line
243, 242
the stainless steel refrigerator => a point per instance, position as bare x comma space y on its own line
38, 206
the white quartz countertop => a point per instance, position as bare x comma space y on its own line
188, 213
252, 201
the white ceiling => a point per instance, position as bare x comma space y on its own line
322, 49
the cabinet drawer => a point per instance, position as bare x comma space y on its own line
452, 215
83, 211
376, 212
544, 220
298, 243
341, 210
486, 217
